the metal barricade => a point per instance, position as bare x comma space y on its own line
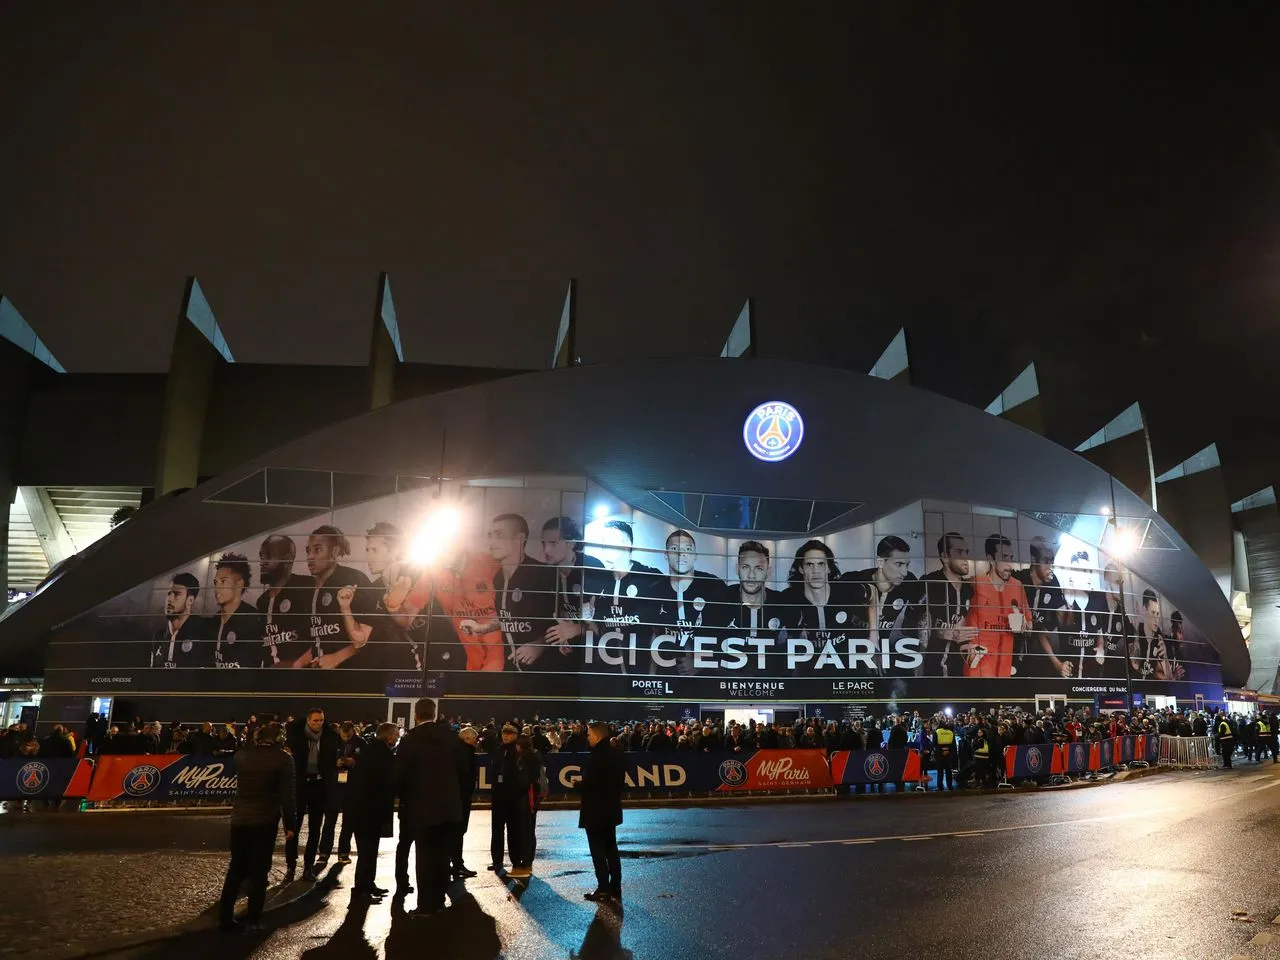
1186, 753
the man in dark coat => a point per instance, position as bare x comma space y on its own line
431, 768
370, 805
315, 760
469, 740
603, 778
265, 791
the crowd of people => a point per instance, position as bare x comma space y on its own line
309, 772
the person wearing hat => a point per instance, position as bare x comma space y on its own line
506, 793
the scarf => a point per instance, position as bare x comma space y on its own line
313, 751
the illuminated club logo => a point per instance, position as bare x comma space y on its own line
733, 773
141, 780
773, 431
876, 766
32, 777
1034, 760
1077, 755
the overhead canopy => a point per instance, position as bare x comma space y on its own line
637, 428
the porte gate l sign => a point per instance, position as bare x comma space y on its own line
773, 431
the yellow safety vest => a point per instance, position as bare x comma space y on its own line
944, 737
1224, 731
983, 750
1264, 728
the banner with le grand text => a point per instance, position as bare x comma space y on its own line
166, 776
49, 778
678, 772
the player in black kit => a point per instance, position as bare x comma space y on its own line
235, 629
751, 617
341, 608
525, 595
679, 605
829, 612
283, 603
618, 610
397, 642
577, 576
948, 596
181, 642
1040, 654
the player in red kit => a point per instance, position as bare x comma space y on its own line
998, 610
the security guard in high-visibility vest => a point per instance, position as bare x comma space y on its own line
1226, 741
944, 754
1266, 737
980, 766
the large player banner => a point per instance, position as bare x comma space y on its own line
555, 590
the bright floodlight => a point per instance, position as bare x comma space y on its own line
1124, 543
601, 511
1106, 511
947, 711
435, 534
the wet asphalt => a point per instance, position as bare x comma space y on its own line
1154, 867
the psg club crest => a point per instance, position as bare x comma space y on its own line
876, 766
733, 773
1077, 755
1034, 760
32, 777
141, 780
1126, 748
773, 431
1106, 753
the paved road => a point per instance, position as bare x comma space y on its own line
1154, 867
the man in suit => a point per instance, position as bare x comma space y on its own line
314, 746
371, 807
603, 777
431, 769
469, 739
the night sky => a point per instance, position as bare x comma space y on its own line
1097, 192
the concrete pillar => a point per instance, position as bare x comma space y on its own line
1128, 459
17, 369
193, 364
385, 350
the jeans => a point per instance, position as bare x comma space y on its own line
251, 850
603, 843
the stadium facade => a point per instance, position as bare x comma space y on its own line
754, 535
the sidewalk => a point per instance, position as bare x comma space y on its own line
98, 883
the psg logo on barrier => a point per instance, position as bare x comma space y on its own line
1034, 760
141, 781
876, 766
733, 773
1106, 753
32, 777
1126, 748
1077, 754
773, 431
